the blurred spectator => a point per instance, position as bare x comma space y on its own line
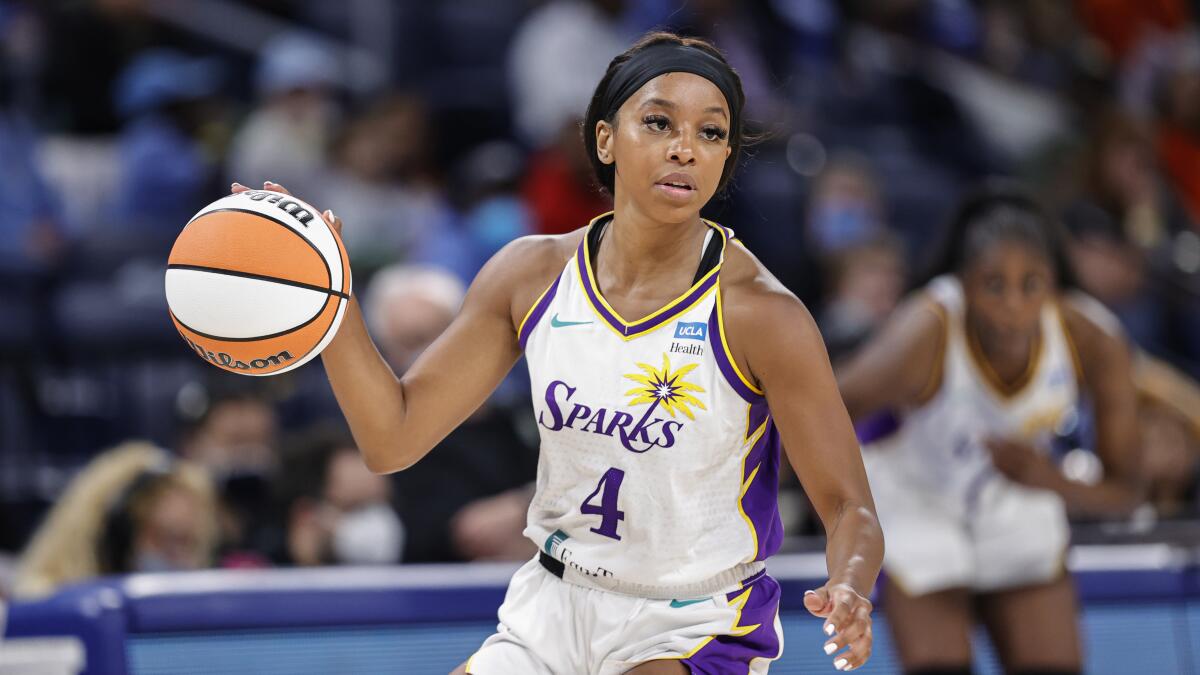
334, 510
865, 283
552, 82
488, 214
233, 435
559, 187
467, 499
1179, 123
286, 138
383, 184
1121, 24
132, 509
408, 307
552, 73
168, 169
740, 30
86, 46
1125, 214
846, 207
234, 432
31, 229
1123, 180
1169, 419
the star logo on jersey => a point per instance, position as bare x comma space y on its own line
658, 389
666, 388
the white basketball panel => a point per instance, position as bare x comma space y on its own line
227, 306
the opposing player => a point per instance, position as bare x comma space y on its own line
983, 367
655, 506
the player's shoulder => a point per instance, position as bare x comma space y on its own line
537, 257
748, 286
526, 266
1086, 317
1090, 326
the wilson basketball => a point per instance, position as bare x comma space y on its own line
257, 283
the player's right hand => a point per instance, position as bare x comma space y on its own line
847, 617
331, 220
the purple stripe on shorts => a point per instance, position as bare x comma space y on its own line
536, 315
717, 341
761, 501
733, 653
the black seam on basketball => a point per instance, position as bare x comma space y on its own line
259, 277
273, 219
258, 337
331, 323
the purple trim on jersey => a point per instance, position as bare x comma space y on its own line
876, 427
761, 501
717, 342
733, 653
536, 315
641, 326
759, 412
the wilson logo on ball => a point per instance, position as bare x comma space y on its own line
226, 361
293, 208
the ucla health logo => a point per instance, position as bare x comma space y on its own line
659, 389
691, 330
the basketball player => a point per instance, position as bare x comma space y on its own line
655, 506
983, 367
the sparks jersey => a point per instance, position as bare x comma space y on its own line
939, 448
659, 460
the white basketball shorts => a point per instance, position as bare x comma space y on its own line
549, 626
1015, 536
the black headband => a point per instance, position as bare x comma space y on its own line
671, 57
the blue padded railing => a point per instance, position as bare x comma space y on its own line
1141, 614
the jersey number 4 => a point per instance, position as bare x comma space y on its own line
607, 488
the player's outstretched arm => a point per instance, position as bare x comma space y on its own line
396, 420
776, 336
900, 365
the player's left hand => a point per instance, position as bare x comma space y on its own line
847, 617
1021, 463
331, 220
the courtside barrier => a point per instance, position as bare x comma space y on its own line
1141, 614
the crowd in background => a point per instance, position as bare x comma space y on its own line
438, 132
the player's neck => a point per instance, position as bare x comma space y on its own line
1007, 359
637, 248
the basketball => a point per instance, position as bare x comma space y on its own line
257, 283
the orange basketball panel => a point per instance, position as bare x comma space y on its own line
245, 242
261, 357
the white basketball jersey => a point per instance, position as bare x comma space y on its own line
659, 460
939, 447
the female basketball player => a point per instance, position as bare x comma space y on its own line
656, 493
983, 367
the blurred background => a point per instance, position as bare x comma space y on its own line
439, 131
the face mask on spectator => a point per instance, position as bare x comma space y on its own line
839, 223
371, 535
149, 561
